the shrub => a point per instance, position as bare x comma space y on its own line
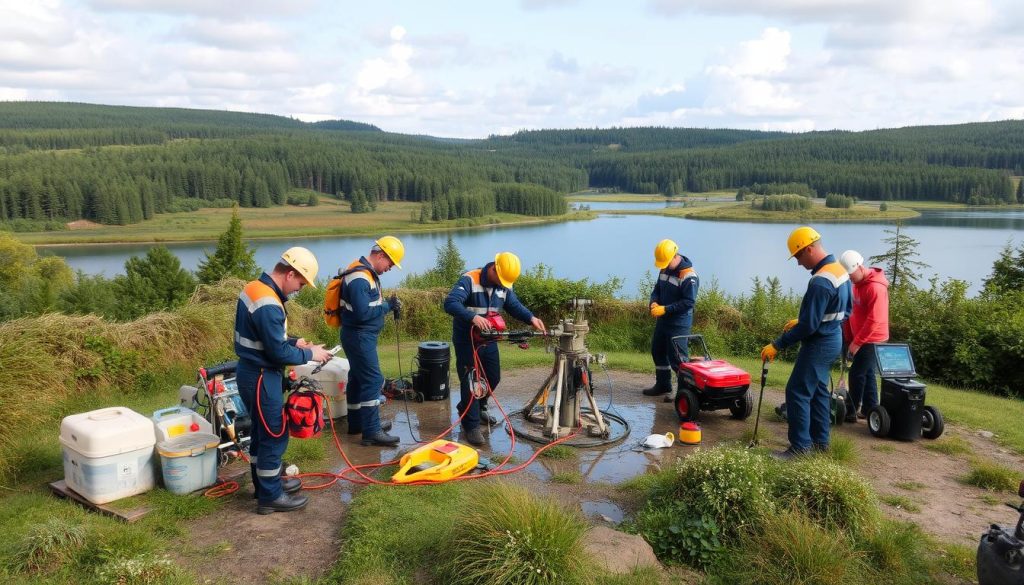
827, 493
513, 537
785, 203
729, 485
678, 535
837, 201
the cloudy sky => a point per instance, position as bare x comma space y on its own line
471, 68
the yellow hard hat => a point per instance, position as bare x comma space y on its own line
664, 252
801, 238
393, 247
508, 267
304, 262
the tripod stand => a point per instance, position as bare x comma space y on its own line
570, 378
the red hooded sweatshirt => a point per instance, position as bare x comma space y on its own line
869, 322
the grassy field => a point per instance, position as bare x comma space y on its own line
330, 218
818, 212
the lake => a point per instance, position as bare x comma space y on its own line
960, 244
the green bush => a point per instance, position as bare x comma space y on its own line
678, 535
837, 201
730, 485
828, 493
785, 203
968, 342
512, 537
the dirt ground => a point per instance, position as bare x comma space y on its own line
307, 543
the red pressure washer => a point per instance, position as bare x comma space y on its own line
709, 384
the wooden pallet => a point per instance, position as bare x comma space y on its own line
234, 472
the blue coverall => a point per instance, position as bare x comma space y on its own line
676, 290
362, 317
827, 302
264, 349
474, 294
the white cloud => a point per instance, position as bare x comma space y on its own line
226, 9
232, 35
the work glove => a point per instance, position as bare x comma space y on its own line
657, 310
396, 306
769, 352
789, 325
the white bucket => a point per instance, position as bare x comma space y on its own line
189, 462
333, 378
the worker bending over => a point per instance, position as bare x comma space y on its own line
818, 330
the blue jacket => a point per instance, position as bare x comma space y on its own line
261, 327
827, 302
474, 295
362, 303
676, 290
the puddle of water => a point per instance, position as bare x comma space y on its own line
602, 509
414, 421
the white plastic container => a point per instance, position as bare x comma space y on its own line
108, 453
333, 378
189, 462
170, 423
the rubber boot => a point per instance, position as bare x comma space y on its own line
284, 503
381, 439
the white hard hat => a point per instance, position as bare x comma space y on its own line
851, 260
304, 262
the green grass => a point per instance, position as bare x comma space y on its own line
958, 560
373, 551
883, 448
977, 410
992, 476
330, 218
842, 450
559, 452
990, 499
791, 549
743, 212
567, 477
514, 537
949, 446
901, 502
910, 486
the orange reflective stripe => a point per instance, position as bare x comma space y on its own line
474, 276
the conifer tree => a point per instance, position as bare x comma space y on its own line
233, 257
900, 260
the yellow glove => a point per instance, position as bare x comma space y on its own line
657, 310
769, 352
789, 325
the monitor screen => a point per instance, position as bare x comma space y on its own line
894, 360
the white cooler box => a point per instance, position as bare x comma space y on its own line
108, 453
333, 378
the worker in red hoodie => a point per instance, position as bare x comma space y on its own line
868, 324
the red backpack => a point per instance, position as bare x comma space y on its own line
304, 412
